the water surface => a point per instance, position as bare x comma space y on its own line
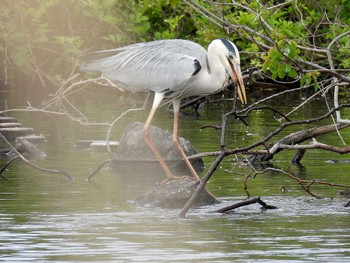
44, 217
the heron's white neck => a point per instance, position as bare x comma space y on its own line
216, 67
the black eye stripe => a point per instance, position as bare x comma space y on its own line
229, 46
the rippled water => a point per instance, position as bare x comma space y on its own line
44, 217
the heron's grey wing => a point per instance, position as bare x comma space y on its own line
89, 59
161, 66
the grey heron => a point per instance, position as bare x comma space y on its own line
173, 69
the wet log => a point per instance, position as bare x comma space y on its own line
175, 194
229, 208
296, 138
264, 206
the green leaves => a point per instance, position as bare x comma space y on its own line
72, 44
280, 63
141, 23
55, 32
310, 77
281, 60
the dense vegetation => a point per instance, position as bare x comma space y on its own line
42, 40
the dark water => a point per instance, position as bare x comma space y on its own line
44, 217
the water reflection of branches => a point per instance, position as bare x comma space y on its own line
292, 139
304, 183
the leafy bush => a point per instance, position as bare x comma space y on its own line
287, 33
42, 40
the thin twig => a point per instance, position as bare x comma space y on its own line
97, 169
25, 160
7, 164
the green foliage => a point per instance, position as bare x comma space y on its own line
289, 25
310, 77
281, 59
42, 40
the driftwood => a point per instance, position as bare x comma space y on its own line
290, 141
229, 208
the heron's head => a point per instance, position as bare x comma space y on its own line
231, 60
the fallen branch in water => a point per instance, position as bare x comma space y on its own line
26, 161
229, 208
201, 185
6, 165
291, 139
289, 142
97, 169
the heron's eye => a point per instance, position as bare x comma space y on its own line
231, 56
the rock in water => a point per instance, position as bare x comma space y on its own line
133, 153
175, 194
136, 164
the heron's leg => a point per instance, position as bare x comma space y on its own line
157, 99
176, 105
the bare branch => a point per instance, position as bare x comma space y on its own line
202, 184
229, 208
25, 160
316, 145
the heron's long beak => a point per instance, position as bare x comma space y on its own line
236, 76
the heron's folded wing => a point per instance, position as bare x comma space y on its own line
153, 66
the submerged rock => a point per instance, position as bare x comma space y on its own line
175, 194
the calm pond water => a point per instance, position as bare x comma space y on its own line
44, 217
